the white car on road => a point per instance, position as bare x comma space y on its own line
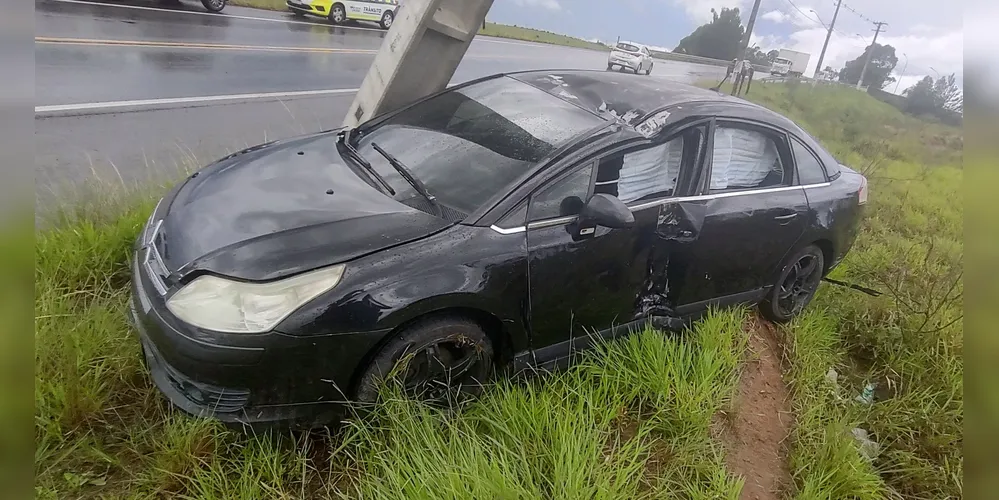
630, 55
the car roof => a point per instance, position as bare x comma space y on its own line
630, 98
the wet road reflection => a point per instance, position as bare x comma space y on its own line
242, 51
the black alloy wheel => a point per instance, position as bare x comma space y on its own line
438, 359
796, 286
214, 5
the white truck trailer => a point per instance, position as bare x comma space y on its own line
790, 63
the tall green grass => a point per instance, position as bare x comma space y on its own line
909, 342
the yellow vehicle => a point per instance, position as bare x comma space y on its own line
340, 11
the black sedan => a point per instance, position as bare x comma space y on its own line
496, 224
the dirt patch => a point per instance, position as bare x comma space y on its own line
754, 430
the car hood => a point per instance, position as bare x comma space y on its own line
279, 209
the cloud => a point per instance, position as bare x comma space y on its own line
552, 5
776, 16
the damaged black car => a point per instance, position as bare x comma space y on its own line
503, 223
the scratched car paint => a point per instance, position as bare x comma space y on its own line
487, 228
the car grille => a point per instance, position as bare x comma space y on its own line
152, 259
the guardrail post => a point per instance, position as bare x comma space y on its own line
419, 54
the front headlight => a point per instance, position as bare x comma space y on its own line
229, 306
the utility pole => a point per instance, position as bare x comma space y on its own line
822, 55
418, 55
749, 29
870, 53
744, 50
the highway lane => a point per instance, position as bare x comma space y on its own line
95, 53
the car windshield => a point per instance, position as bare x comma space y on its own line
782, 61
627, 47
469, 144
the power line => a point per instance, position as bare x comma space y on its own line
858, 14
819, 21
806, 16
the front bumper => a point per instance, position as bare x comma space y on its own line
306, 8
271, 378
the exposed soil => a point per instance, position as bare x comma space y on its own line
756, 427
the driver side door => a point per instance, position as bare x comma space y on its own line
588, 280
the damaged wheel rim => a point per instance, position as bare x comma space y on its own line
442, 371
798, 285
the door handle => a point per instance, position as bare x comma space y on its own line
786, 217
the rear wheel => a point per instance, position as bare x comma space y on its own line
387, 19
214, 5
337, 14
436, 359
799, 279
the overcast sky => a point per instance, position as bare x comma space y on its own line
928, 32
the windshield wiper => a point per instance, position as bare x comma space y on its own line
410, 178
356, 156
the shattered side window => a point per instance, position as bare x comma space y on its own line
745, 159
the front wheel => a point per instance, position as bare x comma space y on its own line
387, 19
337, 14
436, 359
214, 5
793, 291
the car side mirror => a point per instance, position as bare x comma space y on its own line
606, 210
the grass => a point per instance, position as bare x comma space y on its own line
909, 341
540, 36
633, 420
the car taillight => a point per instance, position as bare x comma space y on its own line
862, 195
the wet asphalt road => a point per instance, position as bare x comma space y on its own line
88, 53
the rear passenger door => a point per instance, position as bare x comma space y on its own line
753, 210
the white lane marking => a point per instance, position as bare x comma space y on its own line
290, 21
93, 106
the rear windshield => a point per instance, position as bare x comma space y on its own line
627, 47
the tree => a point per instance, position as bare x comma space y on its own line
719, 39
878, 74
772, 55
949, 95
830, 73
756, 55
938, 98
